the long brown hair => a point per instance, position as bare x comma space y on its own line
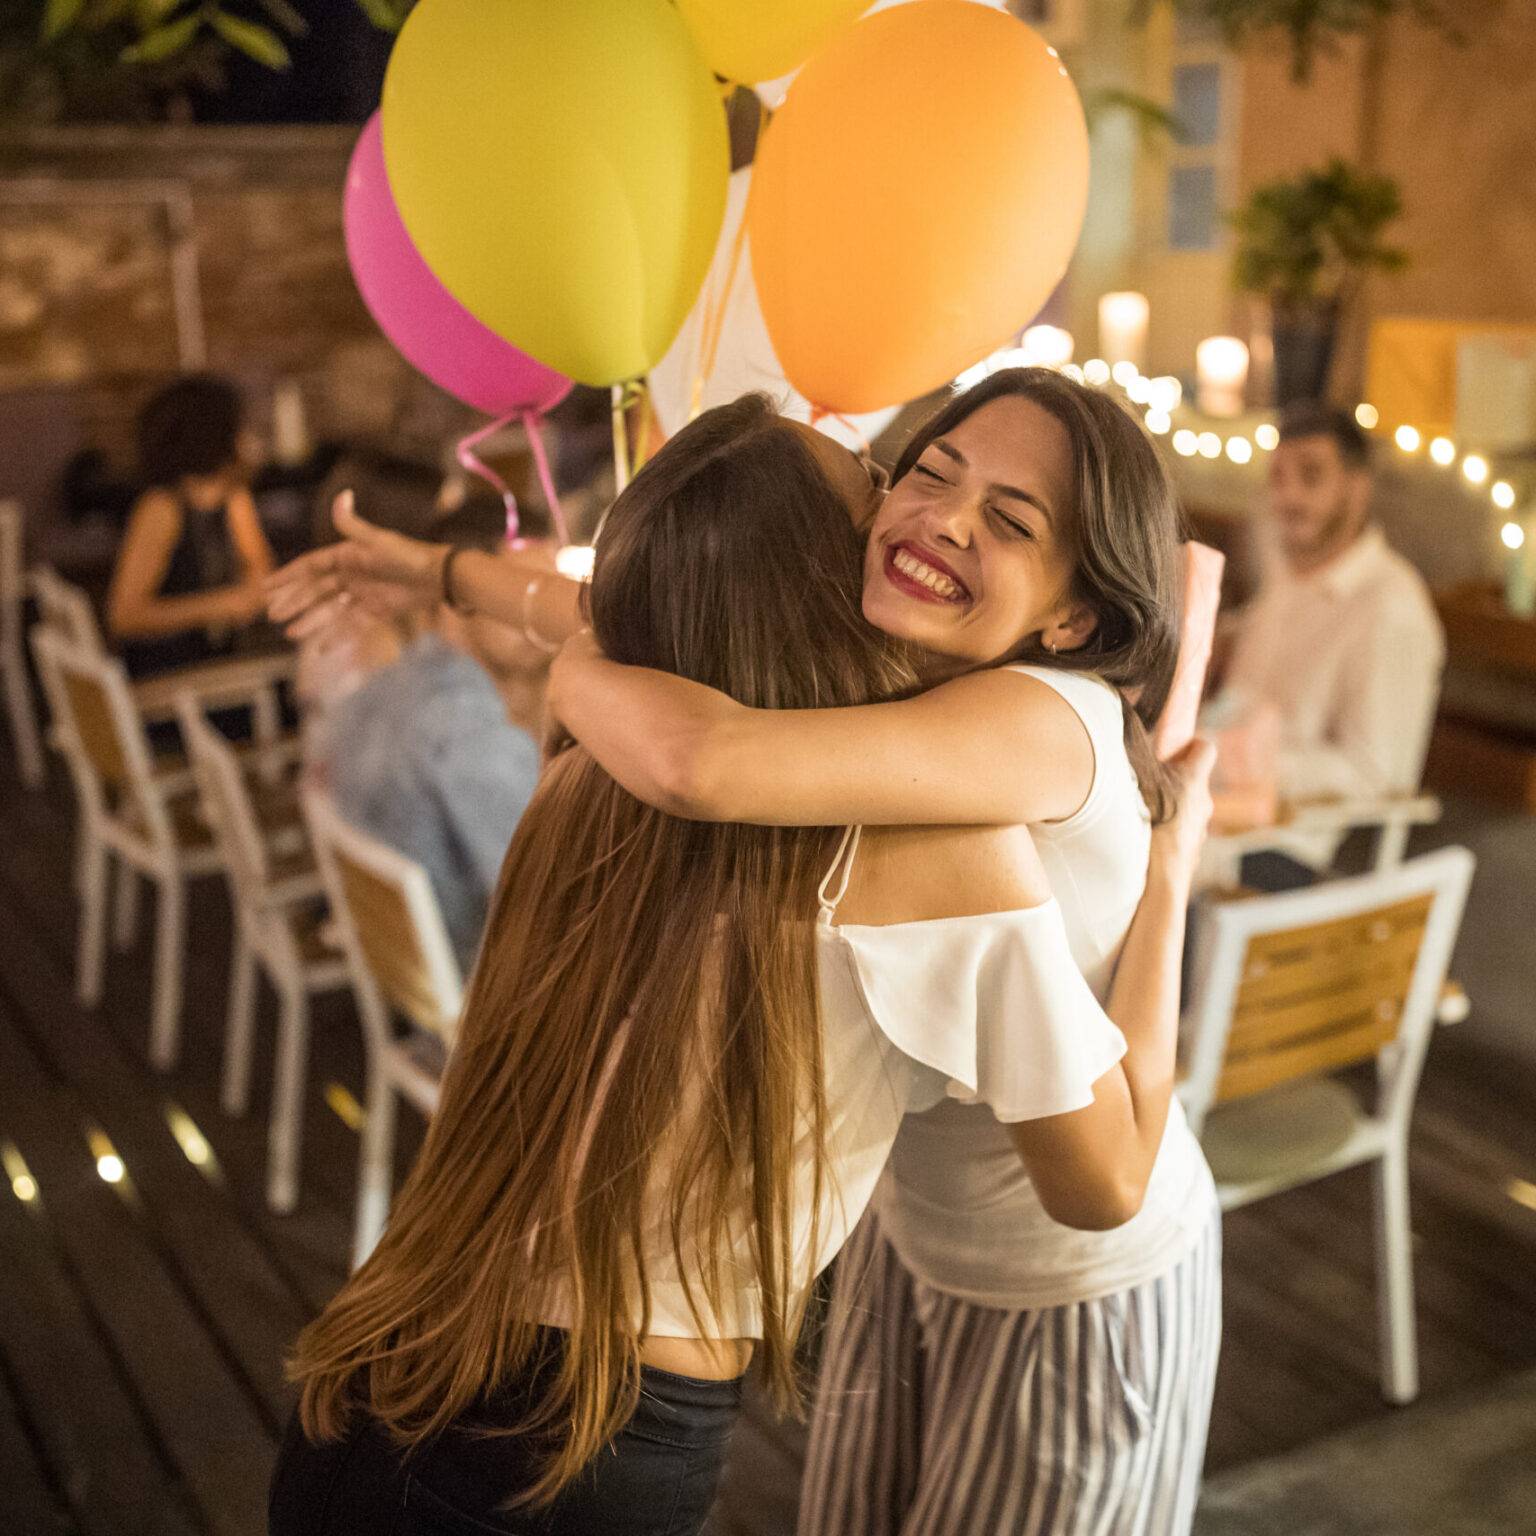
646, 983
1125, 529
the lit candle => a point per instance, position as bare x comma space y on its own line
1221, 369
1123, 321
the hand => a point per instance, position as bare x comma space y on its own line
388, 573
244, 603
1177, 842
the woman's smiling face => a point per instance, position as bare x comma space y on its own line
971, 552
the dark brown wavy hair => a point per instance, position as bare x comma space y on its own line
1125, 530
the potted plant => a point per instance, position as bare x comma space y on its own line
1306, 245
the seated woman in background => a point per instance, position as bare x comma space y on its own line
193, 560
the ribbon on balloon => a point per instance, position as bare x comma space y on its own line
467, 456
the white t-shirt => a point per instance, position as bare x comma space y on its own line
955, 1201
911, 1013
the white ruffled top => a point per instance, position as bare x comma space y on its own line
991, 1010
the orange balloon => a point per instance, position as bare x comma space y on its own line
915, 201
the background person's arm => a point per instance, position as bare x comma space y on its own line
992, 747
249, 538
134, 606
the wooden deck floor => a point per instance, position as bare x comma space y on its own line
142, 1322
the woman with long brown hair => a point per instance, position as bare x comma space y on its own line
650, 1137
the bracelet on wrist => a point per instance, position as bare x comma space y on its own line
530, 634
445, 580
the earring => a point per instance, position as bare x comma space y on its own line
1047, 644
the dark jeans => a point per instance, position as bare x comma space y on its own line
657, 1477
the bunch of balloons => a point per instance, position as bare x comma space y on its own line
541, 195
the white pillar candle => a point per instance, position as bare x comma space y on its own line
290, 429
1221, 372
1123, 321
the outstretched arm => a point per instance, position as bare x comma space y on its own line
392, 573
988, 748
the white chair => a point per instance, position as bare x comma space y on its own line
144, 814
25, 740
1292, 989
401, 961
280, 926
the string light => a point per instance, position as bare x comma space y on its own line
23, 1185
1140, 390
1408, 439
1165, 393
1513, 535
1267, 436
1096, 371
1209, 445
1185, 442
1475, 468
1159, 422
576, 561
1503, 494
1367, 415
1125, 374
1443, 451
1239, 450
194, 1145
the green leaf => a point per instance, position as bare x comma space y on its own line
386, 15
286, 16
150, 14
252, 39
59, 16
163, 43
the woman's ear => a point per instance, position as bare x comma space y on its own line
1071, 629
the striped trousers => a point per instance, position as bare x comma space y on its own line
935, 1417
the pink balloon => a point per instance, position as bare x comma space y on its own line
432, 331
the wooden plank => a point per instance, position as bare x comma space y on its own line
30, 1499
216, 1439
103, 1051
1242, 1077
254, 1305
94, 1433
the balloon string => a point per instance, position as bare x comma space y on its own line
712, 330
714, 323
621, 465
820, 413
643, 426
466, 455
531, 424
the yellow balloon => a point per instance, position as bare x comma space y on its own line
752, 40
561, 165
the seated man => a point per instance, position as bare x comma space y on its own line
1343, 641
422, 755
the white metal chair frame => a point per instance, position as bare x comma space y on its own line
133, 819
26, 740
1393, 818
393, 1068
1378, 1136
274, 901
65, 609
